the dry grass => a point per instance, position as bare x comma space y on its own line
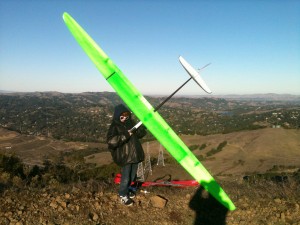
246, 152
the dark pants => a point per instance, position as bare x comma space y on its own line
128, 175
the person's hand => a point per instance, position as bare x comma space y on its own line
130, 133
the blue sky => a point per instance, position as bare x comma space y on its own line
254, 46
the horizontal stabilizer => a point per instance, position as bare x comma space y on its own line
194, 74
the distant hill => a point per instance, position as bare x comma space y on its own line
250, 97
86, 116
4, 91
264, 97
257, 97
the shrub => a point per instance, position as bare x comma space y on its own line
4, 178
296, 176
222, 145
99, 173
36, 181
212, 152
35, 171
216, 150
53, 183
12, 165
170, 160
17, 182
203, 146
193, 147
201, 157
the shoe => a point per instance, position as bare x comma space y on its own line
126, 201
131, 194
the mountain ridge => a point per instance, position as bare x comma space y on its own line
258, 96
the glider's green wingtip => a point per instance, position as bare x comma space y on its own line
96, 54
65, 14
145, 112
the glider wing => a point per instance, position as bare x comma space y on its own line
172, 183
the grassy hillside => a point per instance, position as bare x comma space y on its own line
243, 153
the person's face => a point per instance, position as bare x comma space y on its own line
124, 116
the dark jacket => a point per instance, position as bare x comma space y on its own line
124, 148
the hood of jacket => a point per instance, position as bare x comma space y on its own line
119, 109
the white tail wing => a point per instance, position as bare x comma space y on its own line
194, 74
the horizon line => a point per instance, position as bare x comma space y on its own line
205, 95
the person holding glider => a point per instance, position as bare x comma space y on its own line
145, 112
126, 150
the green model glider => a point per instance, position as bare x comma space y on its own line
145, 112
